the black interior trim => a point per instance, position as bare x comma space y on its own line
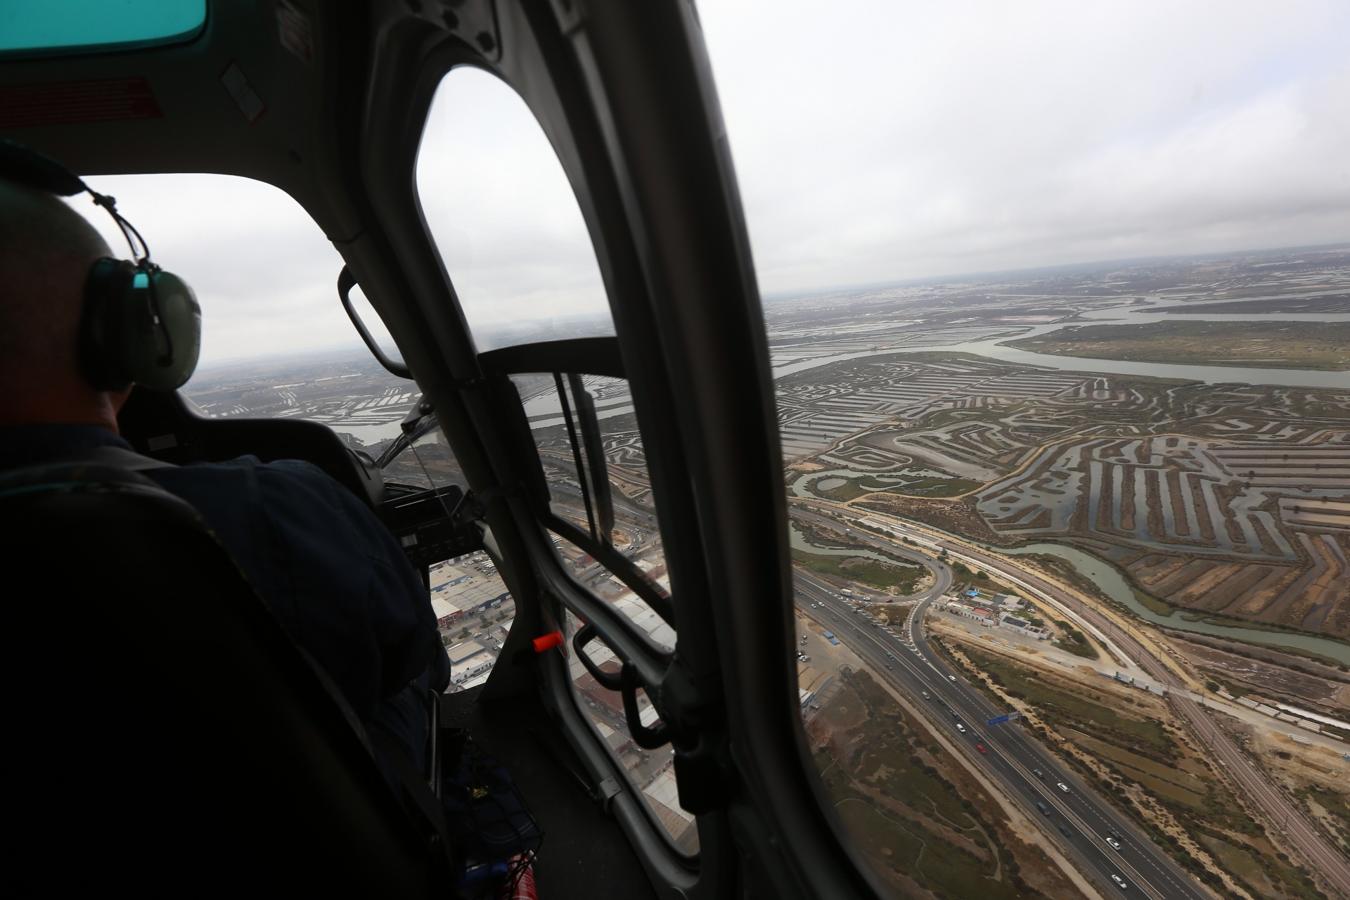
583, 356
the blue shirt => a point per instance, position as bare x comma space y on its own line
332, 574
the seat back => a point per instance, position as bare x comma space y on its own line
165, 734
161, 424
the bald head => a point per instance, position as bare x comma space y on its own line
46, 250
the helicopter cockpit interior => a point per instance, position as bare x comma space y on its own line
172, 739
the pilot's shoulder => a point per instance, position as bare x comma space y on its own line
299, 478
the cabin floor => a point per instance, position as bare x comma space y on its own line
584, 852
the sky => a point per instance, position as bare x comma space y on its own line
873, 142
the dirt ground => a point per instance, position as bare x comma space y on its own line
1310, 685
1317, 775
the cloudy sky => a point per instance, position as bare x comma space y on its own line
874, 142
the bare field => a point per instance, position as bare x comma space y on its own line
1300, 345
1273, 675
1316, 775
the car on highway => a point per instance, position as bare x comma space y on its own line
961, 728
951, 677
1112, 842
926, 695
981, 747
1062, 786
1120, 882
1043, 808
1038, 773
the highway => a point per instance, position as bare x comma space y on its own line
1077, 818
1280, 811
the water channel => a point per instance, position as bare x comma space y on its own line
994, 348
1112, 583
799, 541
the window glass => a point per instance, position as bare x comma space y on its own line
424, 462
575, 487
505, 219
652, 772
602, 582
1064, 395
276, 342
516, 247
474, 612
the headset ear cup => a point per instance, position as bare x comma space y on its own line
120, 344
102, 321
169, 357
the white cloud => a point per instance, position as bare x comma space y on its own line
873, 142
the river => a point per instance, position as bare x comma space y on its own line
1113, 585
995, 348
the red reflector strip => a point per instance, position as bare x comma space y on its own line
68, 102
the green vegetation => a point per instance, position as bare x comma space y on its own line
1074, 710
1262, 875
902, 812
1301, 345
852, 488
1074, 641
1330, 303
968, 577
938, 487
1164, 780
903, 577
1214, 684
910, 850
1337, 806
1147, 600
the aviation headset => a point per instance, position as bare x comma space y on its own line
139, 324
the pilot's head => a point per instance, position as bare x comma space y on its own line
46, 251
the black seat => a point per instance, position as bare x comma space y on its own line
165, 735
163, 425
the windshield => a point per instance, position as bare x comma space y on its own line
1058, 305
